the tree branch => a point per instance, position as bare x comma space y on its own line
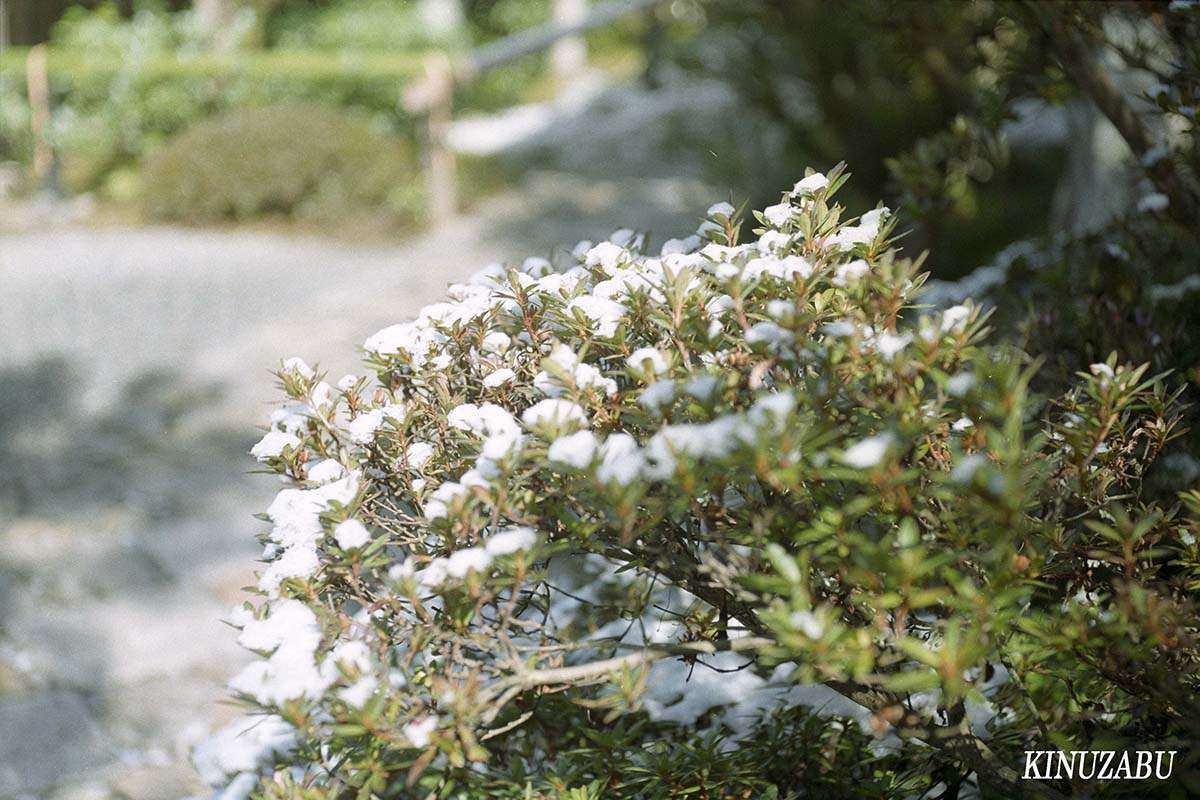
974, 752
1082, 67
580, 673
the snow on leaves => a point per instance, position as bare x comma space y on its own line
555, 408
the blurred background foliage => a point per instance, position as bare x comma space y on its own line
962, 114
125, 80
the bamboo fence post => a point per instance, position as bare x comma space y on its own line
37, 82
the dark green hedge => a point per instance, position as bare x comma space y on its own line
297, 159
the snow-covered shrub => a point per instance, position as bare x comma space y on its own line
732, 520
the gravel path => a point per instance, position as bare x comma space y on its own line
134, 369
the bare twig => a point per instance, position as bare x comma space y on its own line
594, 670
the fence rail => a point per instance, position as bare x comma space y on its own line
542, 37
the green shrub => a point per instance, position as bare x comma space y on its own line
644, 525
113, 111
16, 138
302, 160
